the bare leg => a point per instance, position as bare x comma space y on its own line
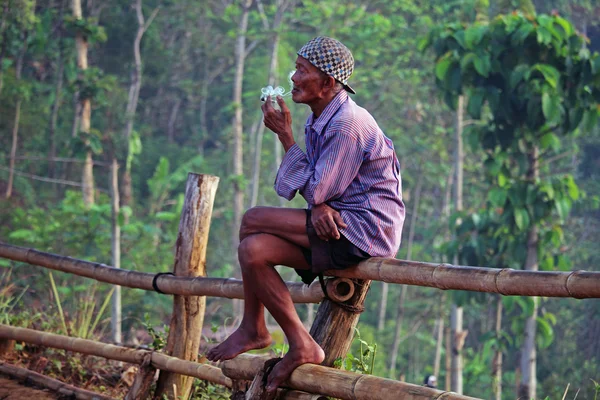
259, 254
288, 231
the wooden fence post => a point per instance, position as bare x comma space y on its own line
333, 328
185, 329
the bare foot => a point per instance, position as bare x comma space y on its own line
239, 342
310, 353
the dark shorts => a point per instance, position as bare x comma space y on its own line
324, 255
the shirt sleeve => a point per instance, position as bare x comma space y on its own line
340, 159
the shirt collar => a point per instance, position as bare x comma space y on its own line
327, 113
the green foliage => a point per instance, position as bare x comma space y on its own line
159, 338
364, 362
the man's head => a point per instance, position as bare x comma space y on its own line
323, 67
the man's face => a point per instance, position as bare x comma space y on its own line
308, 82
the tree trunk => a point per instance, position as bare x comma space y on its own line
383, 305
528, 383
404, 288
497, 367
57, 100
457, 312
15, 130
133, 97
439, 338
185, 329
282, 6
3, 42
54, 118
86, 110
238, 172
173, 120
116, 250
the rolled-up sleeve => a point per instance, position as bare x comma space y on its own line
339, 161
293, 173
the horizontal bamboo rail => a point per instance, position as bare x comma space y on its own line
112, 352
339, 384
508, 282
39, 380
199, 286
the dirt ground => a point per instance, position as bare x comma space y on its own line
13, 390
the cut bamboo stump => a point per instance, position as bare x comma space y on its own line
185, 329
68, 391
333, 327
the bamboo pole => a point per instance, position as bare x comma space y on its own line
509, 282
39, 380
112, 352
339, 384
185, 329
214, 287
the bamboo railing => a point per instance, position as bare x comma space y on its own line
508, 282
118, 353
216, 287
63, 389
308, 377
338, 384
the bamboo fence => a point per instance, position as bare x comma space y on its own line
26, 376
508, 282
199, 286
112, 352
338, 384
308, 377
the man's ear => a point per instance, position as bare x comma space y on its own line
329, 83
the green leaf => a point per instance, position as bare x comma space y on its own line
590, 119
474, 34
549, 140
165, 216
563, 207
475, 104
551, 108
551, 74
483, 65
502, 180
24, 234
572, 188
566, 25
497, 197
521, 218
521, 34
544, 36
441, 67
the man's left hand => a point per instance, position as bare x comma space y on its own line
326, 221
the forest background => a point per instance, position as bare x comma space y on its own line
174, 87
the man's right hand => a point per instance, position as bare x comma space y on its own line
326, 221
279, 122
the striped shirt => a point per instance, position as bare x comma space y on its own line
351, 166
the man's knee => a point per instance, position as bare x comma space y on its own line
250, 222
250, 251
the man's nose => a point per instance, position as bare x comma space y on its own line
293, 78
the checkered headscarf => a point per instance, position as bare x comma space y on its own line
331, 57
